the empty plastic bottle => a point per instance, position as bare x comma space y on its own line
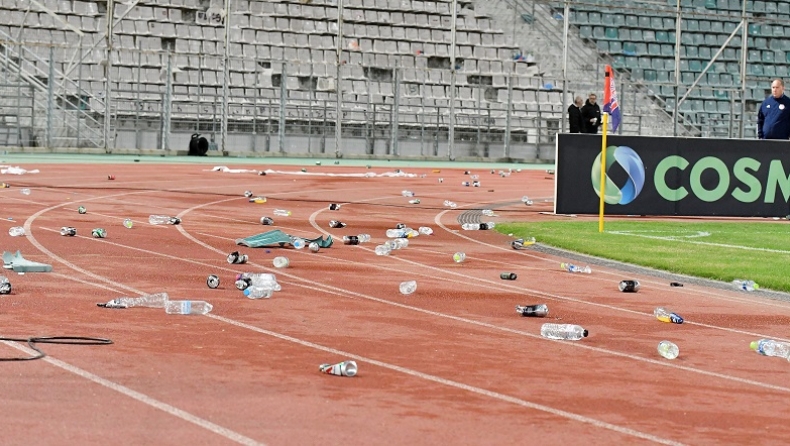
522, 242
770, 347
571, 268
336, 224
25, 191
266, 280
68, 231
487, 212
267, 221
425, 230
400, 243
567, 332
408, 287
450, 204
411, 233
415, 201
525, 199
363, 238
298, 243
158, 300
313, 247
663, 315
541, 310
407, 193
258, 292
236, 258
746, 285
281, 262
282, 213
16, 231
383, 250
668, 349
163, 220
128, 223
459, 257
396, 233
350, 240
470, 226
5, 285
187, 307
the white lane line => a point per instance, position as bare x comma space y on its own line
720, 245
143, 398
455, 384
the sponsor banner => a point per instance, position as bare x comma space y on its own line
673, 176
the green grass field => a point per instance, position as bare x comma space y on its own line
714, 250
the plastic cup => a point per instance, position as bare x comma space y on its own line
128, 223
281, 262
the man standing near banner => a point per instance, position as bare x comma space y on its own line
591, 115
575, 116
773, 120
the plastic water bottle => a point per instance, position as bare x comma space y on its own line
281, 262
163, 220
407, 193
415, 201
525, 199
668, 350
746, 285
571, 268
336, 224
487, 212
470, 226
411, 233
25, 191
424, 230
267, 280
158, 300
541, 310
459, 257
408, 287
5, 285
282, 213
567, 332
383, 250
258, 292
68, 231
520, 243
450, 204
350, 240
298, 243
363, 238
663, 315
396, 233
187, 307
769, 347
128, 223
16, 231
400, 243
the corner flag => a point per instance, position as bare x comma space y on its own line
610, 104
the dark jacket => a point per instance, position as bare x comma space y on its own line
773, 119
575, 119
591, 111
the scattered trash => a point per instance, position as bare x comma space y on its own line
746, 285
665, 316
568, 332
407, 193
396, 233
278, 237
247, 193
408, 287
629, 286
400, 226
363, 238
415, 201
157, 300
675, 284
4, 185
465, 183
478, 226
298, 243
68, 231
128, 223
668, 349
187, 307
267, 221
281, 262
475, 184
257, 285
382, 250
16, 231
450, 204
488, 213
258, 200
459, 257
336, 224
525, 199
5, 285
541, 310
520, 243
397, 243
350, 240
19, 264
282, 213
770, 347
334, 207
16, 170
25, 191
82, 210
235, 258
441, 180
110, 177
212, 281
318, 163
571, 268
163, 220
99, 233
425, 230
508, 276
313, 247
345, 368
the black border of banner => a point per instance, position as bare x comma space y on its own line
753, 172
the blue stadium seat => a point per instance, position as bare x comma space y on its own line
661, 36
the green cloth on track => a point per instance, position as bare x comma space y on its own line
19, 264
277, 236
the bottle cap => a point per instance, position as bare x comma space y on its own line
754, 345
242, 284
585, 333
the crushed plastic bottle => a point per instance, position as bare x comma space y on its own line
407, 193
267, 280
25, 191
128, 223
520, 243
267, 221
350, 240
282, 213
408, 287
459, 257
298, 243
663, 315
383, 250
258, 200
187, 307
247, 193
746, 285
313, 247
396, 233
470, 226
281, 262
571, 268
568, 332
163, 220
425, 230
68, 231
236, 258
415, 201
157, 300
525, 199
258, 292
488, 213
668, 349
336, 224
541, 310
363, 238
770, 347
450, 204
334, 207
5, 285
16, 231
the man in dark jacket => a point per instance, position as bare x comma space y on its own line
773, 119
591, 115
575, 116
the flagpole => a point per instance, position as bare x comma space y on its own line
603, 171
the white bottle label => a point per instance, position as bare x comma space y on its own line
186, 307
